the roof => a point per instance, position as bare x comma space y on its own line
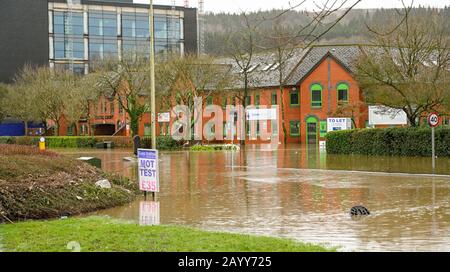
300, 64
264, 68
344, 55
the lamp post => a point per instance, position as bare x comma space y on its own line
152, 77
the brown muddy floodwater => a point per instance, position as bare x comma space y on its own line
298, 193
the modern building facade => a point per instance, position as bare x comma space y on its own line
73, 34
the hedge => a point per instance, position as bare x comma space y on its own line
164, 143
389, 142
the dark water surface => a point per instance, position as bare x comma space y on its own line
299, 193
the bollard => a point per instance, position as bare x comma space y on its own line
42, 144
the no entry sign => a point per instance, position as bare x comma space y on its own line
433, 120
148, 170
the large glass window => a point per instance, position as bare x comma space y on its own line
135, 33
342, 93
316, 96
77, 68
68, 35
102, 34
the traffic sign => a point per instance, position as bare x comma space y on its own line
433, 120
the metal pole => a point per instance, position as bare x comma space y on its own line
433, 148
152, 76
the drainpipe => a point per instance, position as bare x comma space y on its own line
329, 84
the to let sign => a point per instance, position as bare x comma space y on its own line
148, 170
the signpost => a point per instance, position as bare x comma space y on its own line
433, 121
148, 171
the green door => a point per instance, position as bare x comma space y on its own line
311, 130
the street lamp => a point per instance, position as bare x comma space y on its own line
152, 77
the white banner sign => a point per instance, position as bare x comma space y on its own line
261, 114
148, 170
379, 115
336, 124
164, 117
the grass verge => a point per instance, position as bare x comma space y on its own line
42, 185
102, 234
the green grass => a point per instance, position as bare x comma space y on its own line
101, 234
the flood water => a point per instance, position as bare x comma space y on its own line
298, 193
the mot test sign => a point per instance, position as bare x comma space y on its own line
148, 170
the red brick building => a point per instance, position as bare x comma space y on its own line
319, 84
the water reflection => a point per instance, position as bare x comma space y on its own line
300, 193
149, 213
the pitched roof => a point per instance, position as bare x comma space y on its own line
298, 66
345, 55
264, 68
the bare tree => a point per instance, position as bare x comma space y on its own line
83, 92
19, 102
126, 80
283, 42
408, 66
3, 105
46, 91
181, 80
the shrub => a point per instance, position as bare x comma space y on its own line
163, 143
390, 142
214, 148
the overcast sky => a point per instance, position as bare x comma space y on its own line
254, 5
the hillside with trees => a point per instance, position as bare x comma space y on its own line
350, 30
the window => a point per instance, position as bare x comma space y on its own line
316, 96
68, 29
111, 107
274, 127
446, 121
147, 129
135, 33
257, 99
76, 68
295, 128
209, 101
71, 130
342, 93
274, 99
83, 130
323, 129
294, 101
103, 34
248, 100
